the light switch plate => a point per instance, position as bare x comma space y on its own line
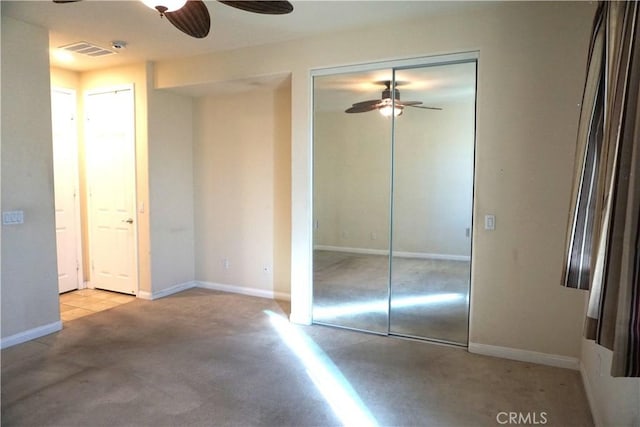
12, 217
489, 222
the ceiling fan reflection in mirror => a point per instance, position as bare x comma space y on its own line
192, 16
387, 105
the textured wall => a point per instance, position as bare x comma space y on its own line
29, 267
241, 189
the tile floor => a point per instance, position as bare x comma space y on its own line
83, 302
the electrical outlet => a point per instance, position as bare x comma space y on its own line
374, 236
225, 263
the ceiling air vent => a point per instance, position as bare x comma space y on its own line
85, 48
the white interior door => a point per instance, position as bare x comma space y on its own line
110, 147
65, 167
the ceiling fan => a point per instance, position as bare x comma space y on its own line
192, 16
387, 105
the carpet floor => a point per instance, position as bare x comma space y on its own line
209, 358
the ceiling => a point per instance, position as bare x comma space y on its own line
149, 37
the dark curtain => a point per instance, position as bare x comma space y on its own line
603, 238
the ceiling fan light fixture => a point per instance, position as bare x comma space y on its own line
388, 110
389, 105
163, 6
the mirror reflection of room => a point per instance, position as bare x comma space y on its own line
393, 175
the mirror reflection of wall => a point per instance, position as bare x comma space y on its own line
352, 180
434, 175
430, 153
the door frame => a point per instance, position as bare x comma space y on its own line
136, 262
76, 183
394, 64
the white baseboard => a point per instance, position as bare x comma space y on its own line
588, 389
254, 292
31, 334
525, 356
399, 254
145, 295
167, 291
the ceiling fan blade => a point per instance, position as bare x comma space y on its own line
408, 103
192, 19
65, 1
262, 6
425, 108
367, 103
362, 108
387, 100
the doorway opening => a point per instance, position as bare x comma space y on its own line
105, 213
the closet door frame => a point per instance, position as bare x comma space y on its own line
392, 65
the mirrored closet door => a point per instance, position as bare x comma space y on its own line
393, 196
352, 176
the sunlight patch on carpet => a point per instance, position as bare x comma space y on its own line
334, 387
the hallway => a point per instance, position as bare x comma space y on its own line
83, 302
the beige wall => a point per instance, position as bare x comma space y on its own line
531, 66
65, 79
241, 184
29, 270
170, 188
282, 190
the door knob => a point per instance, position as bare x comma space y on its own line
128, 221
